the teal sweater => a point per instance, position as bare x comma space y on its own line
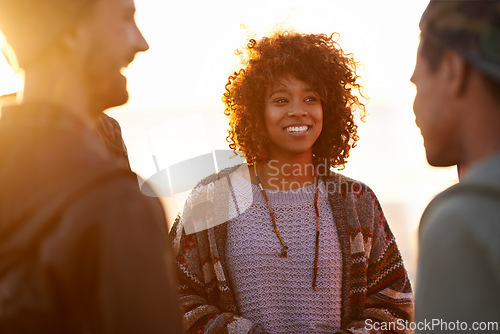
459, 262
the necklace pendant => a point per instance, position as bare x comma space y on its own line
284, 251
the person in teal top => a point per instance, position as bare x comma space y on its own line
457, 108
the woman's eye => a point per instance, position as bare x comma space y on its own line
311, 99
280, 100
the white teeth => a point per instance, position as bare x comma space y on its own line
297, 129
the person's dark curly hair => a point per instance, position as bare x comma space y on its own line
315, 59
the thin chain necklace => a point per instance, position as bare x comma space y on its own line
284, 247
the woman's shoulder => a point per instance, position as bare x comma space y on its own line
339, 183
218, 175
356, 198
211, 201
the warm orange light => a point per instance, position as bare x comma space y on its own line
10, 82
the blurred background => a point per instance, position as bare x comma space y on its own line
175, 111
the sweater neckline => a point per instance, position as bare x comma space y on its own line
284, 197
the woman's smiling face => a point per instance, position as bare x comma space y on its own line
293, 118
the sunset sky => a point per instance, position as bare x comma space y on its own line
175, 110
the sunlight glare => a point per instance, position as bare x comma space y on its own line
9, 82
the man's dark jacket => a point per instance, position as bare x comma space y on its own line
81, 249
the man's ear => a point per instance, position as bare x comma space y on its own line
455, 72
76, 41
73, 38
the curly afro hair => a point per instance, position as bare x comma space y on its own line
315, 59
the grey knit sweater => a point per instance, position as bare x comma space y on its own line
277, 292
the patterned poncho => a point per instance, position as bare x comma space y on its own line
375, 285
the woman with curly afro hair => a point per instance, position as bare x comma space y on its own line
299, 247
312, 59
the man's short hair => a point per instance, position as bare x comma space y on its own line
31, 27
471, 28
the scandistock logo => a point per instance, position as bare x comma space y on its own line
174, 155
185, 175
211, 202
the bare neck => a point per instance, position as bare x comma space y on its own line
483, 138
54, 83
282, 173
481, 113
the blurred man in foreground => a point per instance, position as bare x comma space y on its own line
81, 249
457, 109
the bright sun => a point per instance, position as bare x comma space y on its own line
9, 81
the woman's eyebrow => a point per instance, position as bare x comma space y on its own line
279, 90
284, 90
